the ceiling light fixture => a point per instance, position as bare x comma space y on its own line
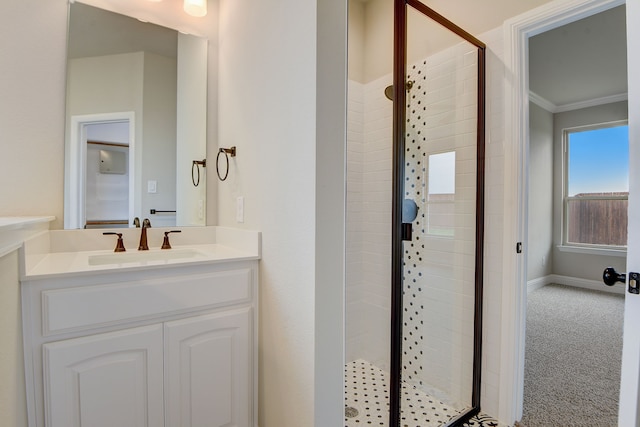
196, 8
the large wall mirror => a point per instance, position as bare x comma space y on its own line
135, 122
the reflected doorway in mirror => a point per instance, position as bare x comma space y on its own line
94, 199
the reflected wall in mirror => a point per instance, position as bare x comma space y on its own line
140, 90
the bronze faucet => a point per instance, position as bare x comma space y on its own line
165, 243
143, 235
119, 243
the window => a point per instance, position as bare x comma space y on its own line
441, 194
596, 186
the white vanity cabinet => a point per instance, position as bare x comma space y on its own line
208, 370
172, 347
111, 379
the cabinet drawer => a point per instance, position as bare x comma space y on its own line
92, 306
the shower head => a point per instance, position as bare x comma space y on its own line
388, 91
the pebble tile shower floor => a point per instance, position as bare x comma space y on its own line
367, 401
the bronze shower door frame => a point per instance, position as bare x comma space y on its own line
399, 145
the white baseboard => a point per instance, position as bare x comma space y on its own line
618, 288
534, 284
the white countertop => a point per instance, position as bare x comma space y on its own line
15, 222
66, 253
16, 229
79, 263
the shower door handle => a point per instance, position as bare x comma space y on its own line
407, 231
409, 214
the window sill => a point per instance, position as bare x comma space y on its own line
593, 251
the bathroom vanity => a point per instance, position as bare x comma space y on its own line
141, 338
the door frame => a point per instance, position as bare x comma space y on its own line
75, 164
516, 33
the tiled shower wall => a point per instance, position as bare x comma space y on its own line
369, 222
439, 268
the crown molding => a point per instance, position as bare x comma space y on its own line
553, 108
542, 102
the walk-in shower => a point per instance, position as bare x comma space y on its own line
414, 219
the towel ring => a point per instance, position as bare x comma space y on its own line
227, 152
196, 165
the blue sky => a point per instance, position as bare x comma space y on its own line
599, 160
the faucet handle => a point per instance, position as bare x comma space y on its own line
119, 244
165, 243
146, 223
136, 222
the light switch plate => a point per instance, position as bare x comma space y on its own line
240, 209
152, 186
200, 209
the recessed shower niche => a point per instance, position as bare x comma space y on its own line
415, 185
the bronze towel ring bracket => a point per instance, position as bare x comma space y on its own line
228, 152
195, 167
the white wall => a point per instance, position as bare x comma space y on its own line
108, 84
157, 149
539, 251
191, 138
378, 36
583, 266
32, 83
494, 219
104, 84
144, 83
356, 40
267, 110
280, 79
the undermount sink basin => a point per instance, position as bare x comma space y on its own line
142, 256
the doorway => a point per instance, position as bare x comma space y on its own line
107, 166
100, 164
518, 33
577, 220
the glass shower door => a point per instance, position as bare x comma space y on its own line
440, 160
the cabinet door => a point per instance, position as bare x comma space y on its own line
105, 380
209, 370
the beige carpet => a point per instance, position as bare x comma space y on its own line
573, 354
